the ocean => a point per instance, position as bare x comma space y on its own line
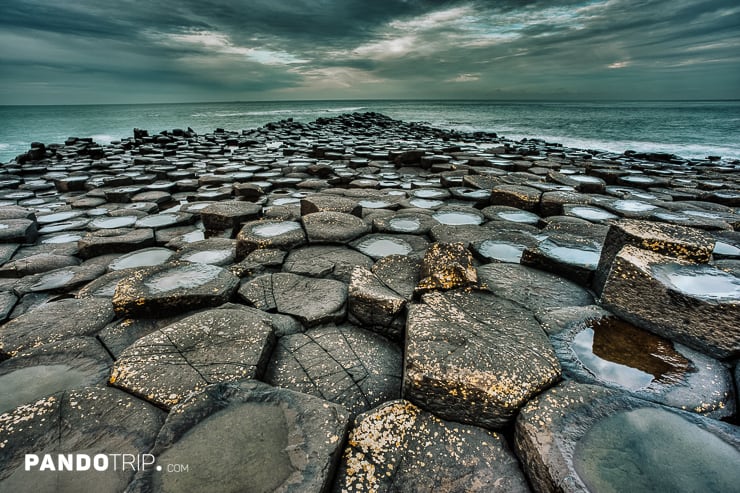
691, 129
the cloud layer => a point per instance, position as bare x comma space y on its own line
94, 51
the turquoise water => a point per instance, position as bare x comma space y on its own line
689, 129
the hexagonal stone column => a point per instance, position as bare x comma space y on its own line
209, 347
475, 357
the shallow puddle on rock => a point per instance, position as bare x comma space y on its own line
285, 201
183, 277
383, 247
429, 194
275, 229
425, 203
207, 256
592, 213
618, 352
374, 204
649, 450
633, 206
63, 226
722, 248
585, 179
404, 225
114, 222
54, 280
247, 444
588, 259
519, 217
144, 258
502, 251
63, 238
457, 218
29, 384
701, 281
59, 216
193, 236
157, 221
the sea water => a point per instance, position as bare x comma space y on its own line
691, 129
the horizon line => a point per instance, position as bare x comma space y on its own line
473, 100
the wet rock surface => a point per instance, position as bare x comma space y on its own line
249, 434
578, 437
475, 357
400, 447
214, 346
344, 364
291, 228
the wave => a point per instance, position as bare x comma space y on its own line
312, 111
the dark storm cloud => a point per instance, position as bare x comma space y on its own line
84, 51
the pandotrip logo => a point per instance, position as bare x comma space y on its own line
98, 462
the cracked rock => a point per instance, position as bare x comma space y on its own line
343, 364
399, 447
87, 421
475, 357
248, 437
312, 301
335, 262
51, 322
209, 347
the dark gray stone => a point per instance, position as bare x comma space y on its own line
52, 322
335, 262
266, 438
399, 447
312, 301
400, 273
7, 302
519, 196
229, 215
214, 251
333, 227
18, 231
330, 203
52, 368
475, 357
346, 365
578, 438
87, 421
106, 241
532, 288
375, 306
694, 304
569, 256
377, 246
168, 289
35, 264
209, 347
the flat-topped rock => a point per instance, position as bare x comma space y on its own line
88, 421
666, 239
283, 235
268, 439
533, 288
344, 364
35, 264
334, 262
333, 227
229, 215
51, 322
312, 301
598, 439
166, 289
18, 231
329, 203
377, 246
399, 273
209, 347
572, 257
36, 373
475, 357
694, 304
106, 241
399, 447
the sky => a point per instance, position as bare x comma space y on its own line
133, 51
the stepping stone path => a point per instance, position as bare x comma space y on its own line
496, 314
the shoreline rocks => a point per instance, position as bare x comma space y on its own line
493, 314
